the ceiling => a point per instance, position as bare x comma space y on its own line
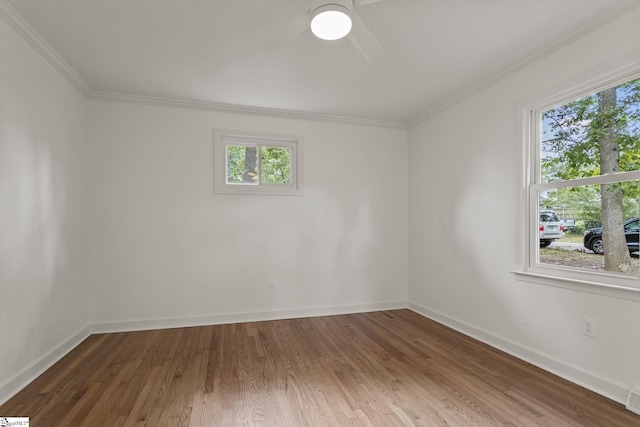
231, 53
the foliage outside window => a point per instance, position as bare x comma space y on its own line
245, 166
585, 168
251, 163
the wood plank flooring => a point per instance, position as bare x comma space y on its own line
388, 368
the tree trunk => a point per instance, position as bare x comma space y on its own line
616, 254
250, 162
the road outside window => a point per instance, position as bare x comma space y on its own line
585, 187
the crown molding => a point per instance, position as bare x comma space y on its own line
31, 36
557, 44
240, 109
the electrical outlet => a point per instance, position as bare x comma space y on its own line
271, 286
589, 326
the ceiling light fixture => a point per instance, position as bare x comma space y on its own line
331, 21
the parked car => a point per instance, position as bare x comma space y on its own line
593, 237
550, 228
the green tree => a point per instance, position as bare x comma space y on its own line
242, 164
596, 135
276, 165
575, 202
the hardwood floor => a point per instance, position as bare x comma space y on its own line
382, 369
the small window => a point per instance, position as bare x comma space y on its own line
583, 190
256, 163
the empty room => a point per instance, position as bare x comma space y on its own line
319, 213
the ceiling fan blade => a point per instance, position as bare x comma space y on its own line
293, 29
362, 38
359, 3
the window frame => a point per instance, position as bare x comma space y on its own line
530, 113
224, 138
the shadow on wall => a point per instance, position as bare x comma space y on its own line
34, 250
338, 251
319, 248
323, 250
486, 213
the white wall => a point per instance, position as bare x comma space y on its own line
167, 251
463, 212
108, 219
44, 246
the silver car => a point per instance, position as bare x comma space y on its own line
550, 228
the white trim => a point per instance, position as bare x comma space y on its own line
294, 142
601, 385
191, 104
31, 36
221, 319
591, 180
606, 387
593, 81
558, 43
580, 284
22, 378
30, 372
13, 18
528, 121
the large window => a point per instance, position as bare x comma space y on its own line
583, 189
253, 163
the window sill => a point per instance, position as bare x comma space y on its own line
260, 191
614, 291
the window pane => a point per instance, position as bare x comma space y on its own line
592, 136
276, 165
241, 164
575, 231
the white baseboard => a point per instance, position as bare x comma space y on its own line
30, 372
604, 386
220, 319
596, 383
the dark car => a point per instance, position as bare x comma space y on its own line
593, 237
